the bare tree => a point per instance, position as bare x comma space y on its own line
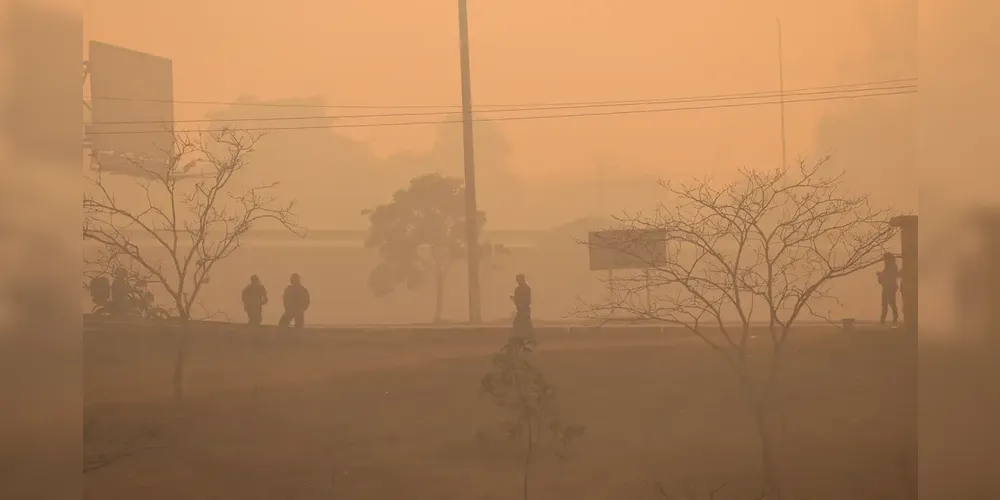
764, 249
186, 223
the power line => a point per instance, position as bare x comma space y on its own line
677, 100
518, 118
457, 107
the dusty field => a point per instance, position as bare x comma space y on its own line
400, 416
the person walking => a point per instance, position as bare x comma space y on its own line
296, 301
522, 305
888, 278
254, 300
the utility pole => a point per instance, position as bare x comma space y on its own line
601, 179
781, 99
908, 227
471, 212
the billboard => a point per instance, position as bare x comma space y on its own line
132, 111
627, 249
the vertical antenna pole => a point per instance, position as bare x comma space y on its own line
781, 89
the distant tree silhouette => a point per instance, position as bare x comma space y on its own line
419, 235
188, 224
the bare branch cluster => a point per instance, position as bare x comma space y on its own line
192, 220
770, 243
765, 248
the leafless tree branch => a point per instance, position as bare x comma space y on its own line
185, 224
771, 243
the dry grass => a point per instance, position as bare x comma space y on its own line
397, 417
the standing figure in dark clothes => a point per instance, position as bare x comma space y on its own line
254, 300
888, 277
522, 304
296, 301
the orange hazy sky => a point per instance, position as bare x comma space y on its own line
523, 51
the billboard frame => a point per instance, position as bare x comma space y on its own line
131, 104
606, 252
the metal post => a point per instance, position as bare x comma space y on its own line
649, 293
602, 205
611, 288
471, 212
781, 100
992, 278
910, 276
907, 225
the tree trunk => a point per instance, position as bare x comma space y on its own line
180, 362
774, 382
438, 295
769, 462
524, 482
527, 460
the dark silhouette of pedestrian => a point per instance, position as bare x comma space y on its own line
522, 305
888, 277
254, 300
296, 300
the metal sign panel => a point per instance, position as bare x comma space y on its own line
627, 249
131, 92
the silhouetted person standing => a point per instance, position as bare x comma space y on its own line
522, 306
888, 277
254, 300
296, 301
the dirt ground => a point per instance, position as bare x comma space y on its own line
401, 416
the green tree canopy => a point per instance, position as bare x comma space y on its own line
419, 235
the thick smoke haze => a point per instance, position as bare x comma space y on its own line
524, 53
930, 153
